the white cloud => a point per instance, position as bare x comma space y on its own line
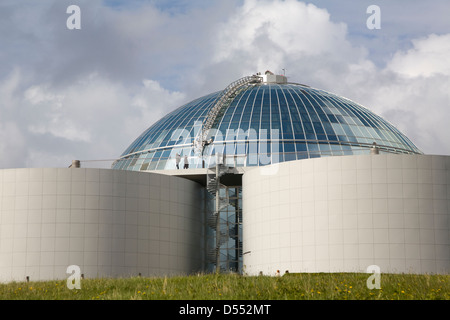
428, 57
417, 94
39, 95
12, 145
90, 119
266, 34
154, 101
262, 28
12, 142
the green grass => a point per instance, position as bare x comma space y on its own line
336, 286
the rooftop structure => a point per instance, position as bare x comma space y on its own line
260, 120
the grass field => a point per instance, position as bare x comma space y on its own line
336, 286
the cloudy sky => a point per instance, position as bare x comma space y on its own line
87, 94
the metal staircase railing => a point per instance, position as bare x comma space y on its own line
221, 103
213, 186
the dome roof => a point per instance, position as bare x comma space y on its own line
268, 122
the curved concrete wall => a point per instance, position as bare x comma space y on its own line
110, 223
343, 214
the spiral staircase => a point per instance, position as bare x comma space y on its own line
224, 221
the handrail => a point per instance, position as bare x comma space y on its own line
222, 101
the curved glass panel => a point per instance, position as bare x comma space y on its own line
265, 124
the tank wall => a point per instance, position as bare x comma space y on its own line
343, 214
111, 223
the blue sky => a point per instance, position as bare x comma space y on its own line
87, 94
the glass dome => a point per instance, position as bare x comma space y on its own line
263, 124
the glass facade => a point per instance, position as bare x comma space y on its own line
267, 123
224, 232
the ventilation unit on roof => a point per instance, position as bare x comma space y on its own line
270, 77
